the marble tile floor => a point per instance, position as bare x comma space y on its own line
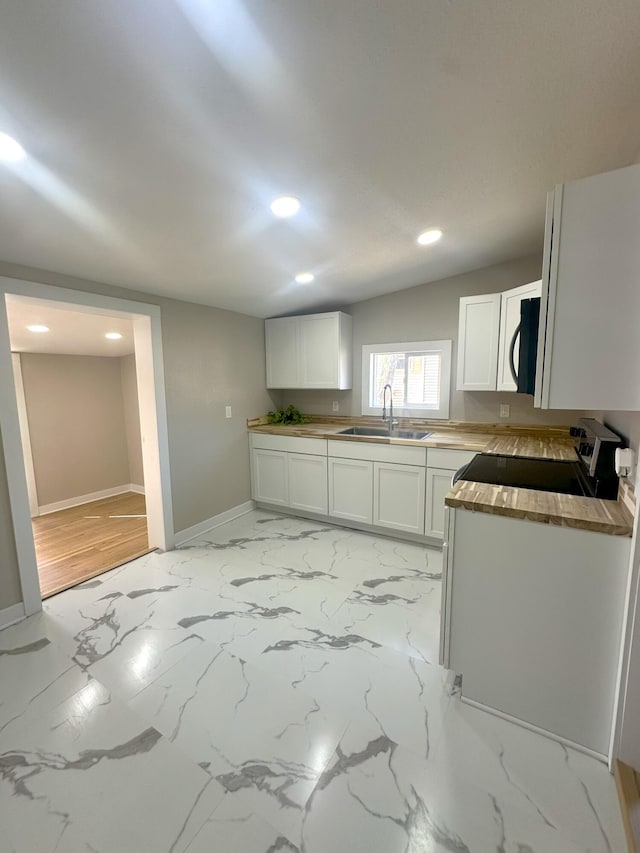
271, 687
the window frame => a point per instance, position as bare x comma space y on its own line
409, 348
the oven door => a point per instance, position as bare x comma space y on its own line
525, 338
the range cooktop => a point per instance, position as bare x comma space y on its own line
543, 475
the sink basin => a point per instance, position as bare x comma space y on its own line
412, 434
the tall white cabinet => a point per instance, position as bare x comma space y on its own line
311, 351
588, 344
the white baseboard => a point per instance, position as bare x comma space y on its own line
92, 496
334, 521
197, 530
532, 728
11, 615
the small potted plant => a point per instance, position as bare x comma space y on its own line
287, 416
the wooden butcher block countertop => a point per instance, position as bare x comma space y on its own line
537, 442
536, 447
611, 517
542, 442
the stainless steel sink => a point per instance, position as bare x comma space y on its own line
412, 434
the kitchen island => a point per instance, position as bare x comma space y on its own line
533, 599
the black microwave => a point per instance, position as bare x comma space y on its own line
525, 339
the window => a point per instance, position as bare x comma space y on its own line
419, 374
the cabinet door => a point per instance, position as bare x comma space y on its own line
269, 480
438, 484
478, 334
351, 489
535, 614
509, 320
398, 496
320, 350
308, 483
281, 345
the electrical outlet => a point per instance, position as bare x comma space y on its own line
335, 406
227, 411
505, 410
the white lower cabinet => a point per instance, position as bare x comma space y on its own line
351, 489
438, 484
391, 487
308, 483
398, 496
270, 480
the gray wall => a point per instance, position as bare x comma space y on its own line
430, 312
211, 358
76, 424
131, 414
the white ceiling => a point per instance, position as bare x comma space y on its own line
70, 332
158, 133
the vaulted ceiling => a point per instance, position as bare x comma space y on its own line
158, 133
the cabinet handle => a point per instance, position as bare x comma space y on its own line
512, 350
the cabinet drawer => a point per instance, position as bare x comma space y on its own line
451, 459
289, 444
377, 452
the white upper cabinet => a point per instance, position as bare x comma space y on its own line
312, 351
509, 322
588, 343
478, 333
486, 328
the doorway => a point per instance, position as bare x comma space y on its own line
72, 530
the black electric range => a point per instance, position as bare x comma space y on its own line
543, 475
591, 475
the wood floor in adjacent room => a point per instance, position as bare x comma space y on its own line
76, 544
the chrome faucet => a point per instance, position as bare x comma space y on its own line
390, 419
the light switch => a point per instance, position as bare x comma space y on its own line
505, 410
227, 411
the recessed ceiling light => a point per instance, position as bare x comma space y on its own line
305, 277
10, 150
285, 206
113, 336
37, 328
430, 236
